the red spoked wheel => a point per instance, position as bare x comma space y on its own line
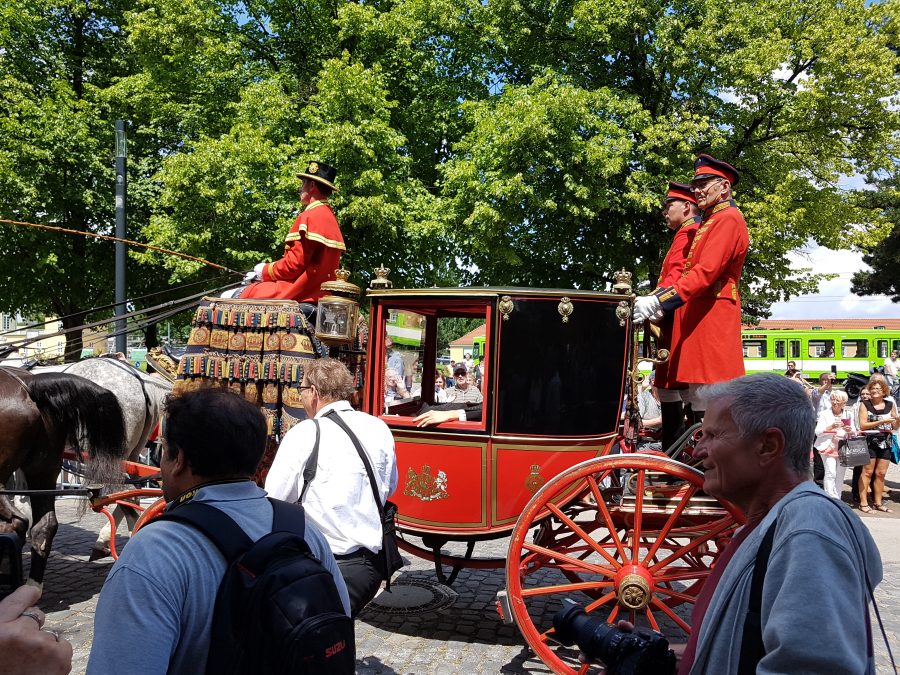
637, 543
151, 512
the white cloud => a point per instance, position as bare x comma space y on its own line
834, 299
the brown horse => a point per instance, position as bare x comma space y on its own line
40, 415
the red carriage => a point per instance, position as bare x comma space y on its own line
629, 534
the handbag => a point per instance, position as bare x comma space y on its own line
388, 560
853, 451
895, 449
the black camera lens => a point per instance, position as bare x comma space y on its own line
623, 653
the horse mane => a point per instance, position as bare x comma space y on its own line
91, 417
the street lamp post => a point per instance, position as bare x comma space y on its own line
121, 197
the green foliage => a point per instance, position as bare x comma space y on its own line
501, 142
883, 257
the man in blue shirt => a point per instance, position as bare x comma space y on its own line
161, 592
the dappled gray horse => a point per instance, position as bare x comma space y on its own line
142, 398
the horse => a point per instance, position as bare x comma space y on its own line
40, 414
142, 399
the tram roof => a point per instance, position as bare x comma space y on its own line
825, 324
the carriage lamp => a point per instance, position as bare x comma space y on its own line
338, 311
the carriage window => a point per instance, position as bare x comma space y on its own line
560, 379
755, 349
405, 346
854, 349
821, 349
795, 349
779, 349
882, 349
422, 347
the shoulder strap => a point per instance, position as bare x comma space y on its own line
752, 648
287, 517
215, 525
226, 534
309, 471
334, 417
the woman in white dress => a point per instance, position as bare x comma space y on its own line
832, 425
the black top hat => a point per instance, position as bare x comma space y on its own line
707, 166
321, 173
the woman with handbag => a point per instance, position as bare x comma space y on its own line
877, 419
832, 426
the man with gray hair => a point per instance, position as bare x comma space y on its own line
336, 490
757, 436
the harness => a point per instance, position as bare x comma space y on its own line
7, 371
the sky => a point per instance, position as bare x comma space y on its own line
834, 299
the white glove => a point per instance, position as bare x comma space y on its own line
658, 316
645, 307
259, 270
249, 277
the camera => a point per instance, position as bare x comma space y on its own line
642, 652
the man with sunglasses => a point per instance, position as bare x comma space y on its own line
704, 302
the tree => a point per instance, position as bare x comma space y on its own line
562, 172
884, 257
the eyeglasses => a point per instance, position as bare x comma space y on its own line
703, 186
305, 386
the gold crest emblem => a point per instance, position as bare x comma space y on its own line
535, 481
425, 486
313, 168
565, 309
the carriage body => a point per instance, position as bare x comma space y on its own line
553, 387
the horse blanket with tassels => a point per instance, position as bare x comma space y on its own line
257, 348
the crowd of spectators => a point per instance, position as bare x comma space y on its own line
873, 416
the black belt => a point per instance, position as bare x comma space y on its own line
358, 553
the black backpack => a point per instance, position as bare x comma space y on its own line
277, 609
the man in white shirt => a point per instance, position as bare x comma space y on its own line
891, 365
339, 498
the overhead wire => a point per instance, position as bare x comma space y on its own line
39, 324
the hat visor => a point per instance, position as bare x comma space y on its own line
318, 179
704, 176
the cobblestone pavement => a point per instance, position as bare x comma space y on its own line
463, 636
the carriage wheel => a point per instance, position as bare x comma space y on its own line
635, 552
151, 512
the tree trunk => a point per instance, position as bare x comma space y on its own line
74, 341
151, 336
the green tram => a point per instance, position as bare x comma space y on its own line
815, 351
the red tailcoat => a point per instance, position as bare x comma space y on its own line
312, 253
706, 331
672, 267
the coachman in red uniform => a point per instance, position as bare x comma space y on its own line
706, 329
683, 217
312, 248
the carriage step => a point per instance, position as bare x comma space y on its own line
503, 607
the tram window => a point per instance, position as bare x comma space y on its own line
854, 349
821, 349
779, 349
795, 349
896, 346
882, 349
755, 349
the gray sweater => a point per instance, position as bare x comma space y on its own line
815, 601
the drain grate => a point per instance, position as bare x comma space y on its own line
414, 596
